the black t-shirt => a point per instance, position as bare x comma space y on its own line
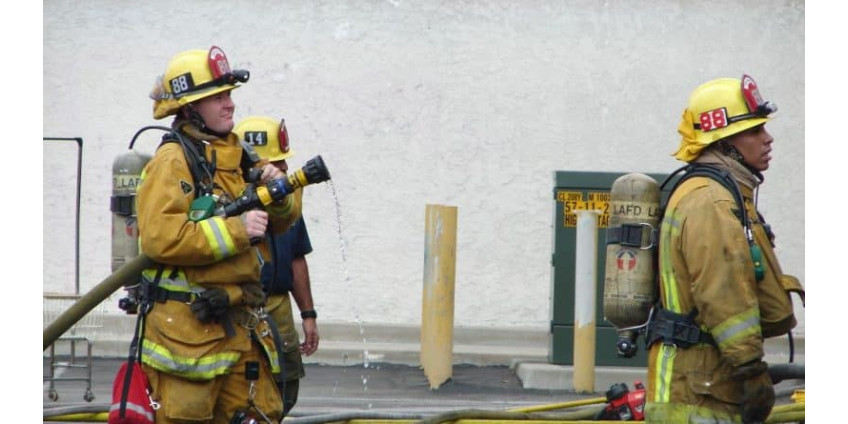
277, 274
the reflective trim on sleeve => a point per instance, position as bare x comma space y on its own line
737, 327
218, 237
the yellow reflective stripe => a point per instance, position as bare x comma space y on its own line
178, 283
218, 237
134, 407
685, 413
670, 226
274, 357
664, 370
737, 327
272, 354
202, 368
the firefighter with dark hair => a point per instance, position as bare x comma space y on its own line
287, 272
722, 290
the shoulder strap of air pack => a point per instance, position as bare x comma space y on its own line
682, 329
202, 170
725, 179
709, 171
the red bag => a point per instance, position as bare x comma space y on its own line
131, 401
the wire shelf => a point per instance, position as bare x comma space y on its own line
55, 304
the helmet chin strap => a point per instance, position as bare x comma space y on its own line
200, 123
734, 154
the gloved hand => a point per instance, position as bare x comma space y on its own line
253, 295
210, 305
758, 391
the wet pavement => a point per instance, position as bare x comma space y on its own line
380, 389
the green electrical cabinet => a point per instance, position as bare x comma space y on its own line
583, 190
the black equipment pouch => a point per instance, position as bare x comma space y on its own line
676, 329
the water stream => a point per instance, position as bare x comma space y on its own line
346, 273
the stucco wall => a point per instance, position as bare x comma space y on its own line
468, 103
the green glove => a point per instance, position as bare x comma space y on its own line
210, 305
253, 295
757, 391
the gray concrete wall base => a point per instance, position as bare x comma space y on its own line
348, 344
535, 375
352, 344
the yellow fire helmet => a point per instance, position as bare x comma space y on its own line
193, 75
268, 137
718, 109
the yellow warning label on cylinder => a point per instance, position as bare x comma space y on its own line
577, 200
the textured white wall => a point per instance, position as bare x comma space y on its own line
467, 103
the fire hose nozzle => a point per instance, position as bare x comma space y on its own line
313, 172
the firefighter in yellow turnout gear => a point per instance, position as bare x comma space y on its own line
207, 348
720, 280
287, 272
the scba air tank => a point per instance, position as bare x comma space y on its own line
629, 285
126, 174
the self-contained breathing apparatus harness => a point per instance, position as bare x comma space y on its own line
681, 330
202, 172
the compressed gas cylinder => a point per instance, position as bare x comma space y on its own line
629, 285
126, 174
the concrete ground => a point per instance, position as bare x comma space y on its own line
380, 389
493, 370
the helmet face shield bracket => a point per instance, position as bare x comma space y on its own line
757, 108
230, 78
756, 105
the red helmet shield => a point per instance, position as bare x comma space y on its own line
284, 137
751, 93
218, 63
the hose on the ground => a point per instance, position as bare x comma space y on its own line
789, 413
352, 415
87, 408
561, 405
474, 414
92, 417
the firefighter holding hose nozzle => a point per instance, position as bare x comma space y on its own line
208, 348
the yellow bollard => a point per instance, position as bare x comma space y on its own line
585, 280
438, 297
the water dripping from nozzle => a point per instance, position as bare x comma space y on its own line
343, 251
